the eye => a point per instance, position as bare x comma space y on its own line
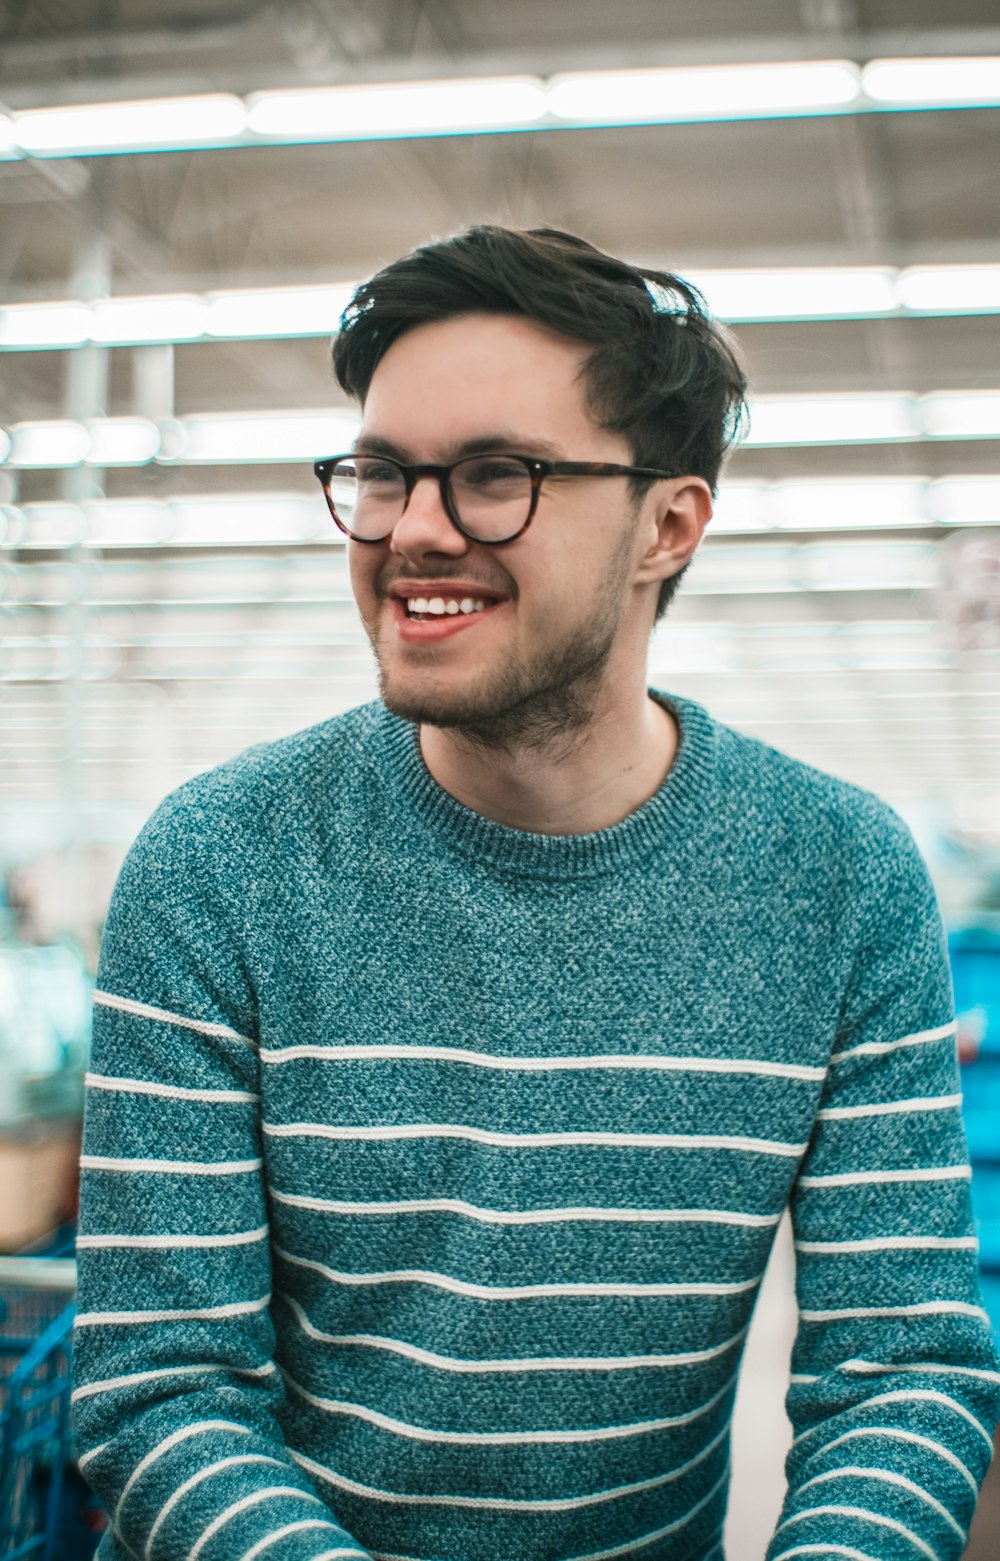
497, 472
374, 472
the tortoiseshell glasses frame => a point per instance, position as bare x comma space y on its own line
535, 469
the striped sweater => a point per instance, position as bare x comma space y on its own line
431, 1166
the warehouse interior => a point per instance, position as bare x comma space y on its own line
188, 194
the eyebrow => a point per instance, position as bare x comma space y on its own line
513, 444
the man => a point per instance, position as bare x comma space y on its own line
455, 1060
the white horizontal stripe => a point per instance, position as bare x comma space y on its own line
475, 1059
111, 1384
874, 1367
206, 1313
914, 1396
895, 1434
513, 1504
632, 1545
529, 1216
835, 1510
547, 1438
85, 1458
236, 1507
517, 1364
893, 1244
128, 1005
888, 1108
196, 1428
920, 1309
826, 1549
480, 1135
196, 1480
167, 1091
879, 1048
888, 1477
923, 1173
629, 1547
236, 1238
100, 1162
296, 1528
426, 1276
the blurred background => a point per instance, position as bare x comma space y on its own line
187, 193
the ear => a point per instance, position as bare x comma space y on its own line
673, 526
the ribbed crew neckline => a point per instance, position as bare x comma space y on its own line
666, 818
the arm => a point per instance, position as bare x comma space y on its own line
177, 1396
894, 1390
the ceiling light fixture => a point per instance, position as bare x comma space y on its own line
149, 124
863, 418
807, 293
949, 289
361, 113
671, 96
218, 438
947, 82
160, 318
277, 311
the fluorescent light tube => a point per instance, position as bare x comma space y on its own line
234, 521
702, 92
947, 82
950, 289
160, 318
44, 325
740, 506
56, 443
357, 113
46, 525
160, 124
5, 445
8, 140
126, 523
122, 441
965, 501
839, 419
278, 311
961, 414
265, 436
816, 293
836, 506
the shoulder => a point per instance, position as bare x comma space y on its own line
780, 804
227, 814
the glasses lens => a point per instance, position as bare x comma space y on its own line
368, 495
491, 495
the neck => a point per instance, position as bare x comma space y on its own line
575, 784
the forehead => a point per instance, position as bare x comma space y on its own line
443, 382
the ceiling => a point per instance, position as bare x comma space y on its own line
123, 669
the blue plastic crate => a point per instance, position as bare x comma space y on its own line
36, 1320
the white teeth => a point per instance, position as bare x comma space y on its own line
439, 606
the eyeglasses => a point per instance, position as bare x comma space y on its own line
489, 498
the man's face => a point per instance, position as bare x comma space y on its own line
530, 666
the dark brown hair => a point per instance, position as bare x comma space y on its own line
662, 372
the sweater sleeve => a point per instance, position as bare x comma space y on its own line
894, 1389
177, 1397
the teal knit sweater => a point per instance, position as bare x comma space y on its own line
431, 1167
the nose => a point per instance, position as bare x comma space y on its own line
424, 526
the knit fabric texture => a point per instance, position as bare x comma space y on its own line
431, 1167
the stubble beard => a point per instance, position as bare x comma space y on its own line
545, 703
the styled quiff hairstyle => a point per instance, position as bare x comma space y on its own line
662, 372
